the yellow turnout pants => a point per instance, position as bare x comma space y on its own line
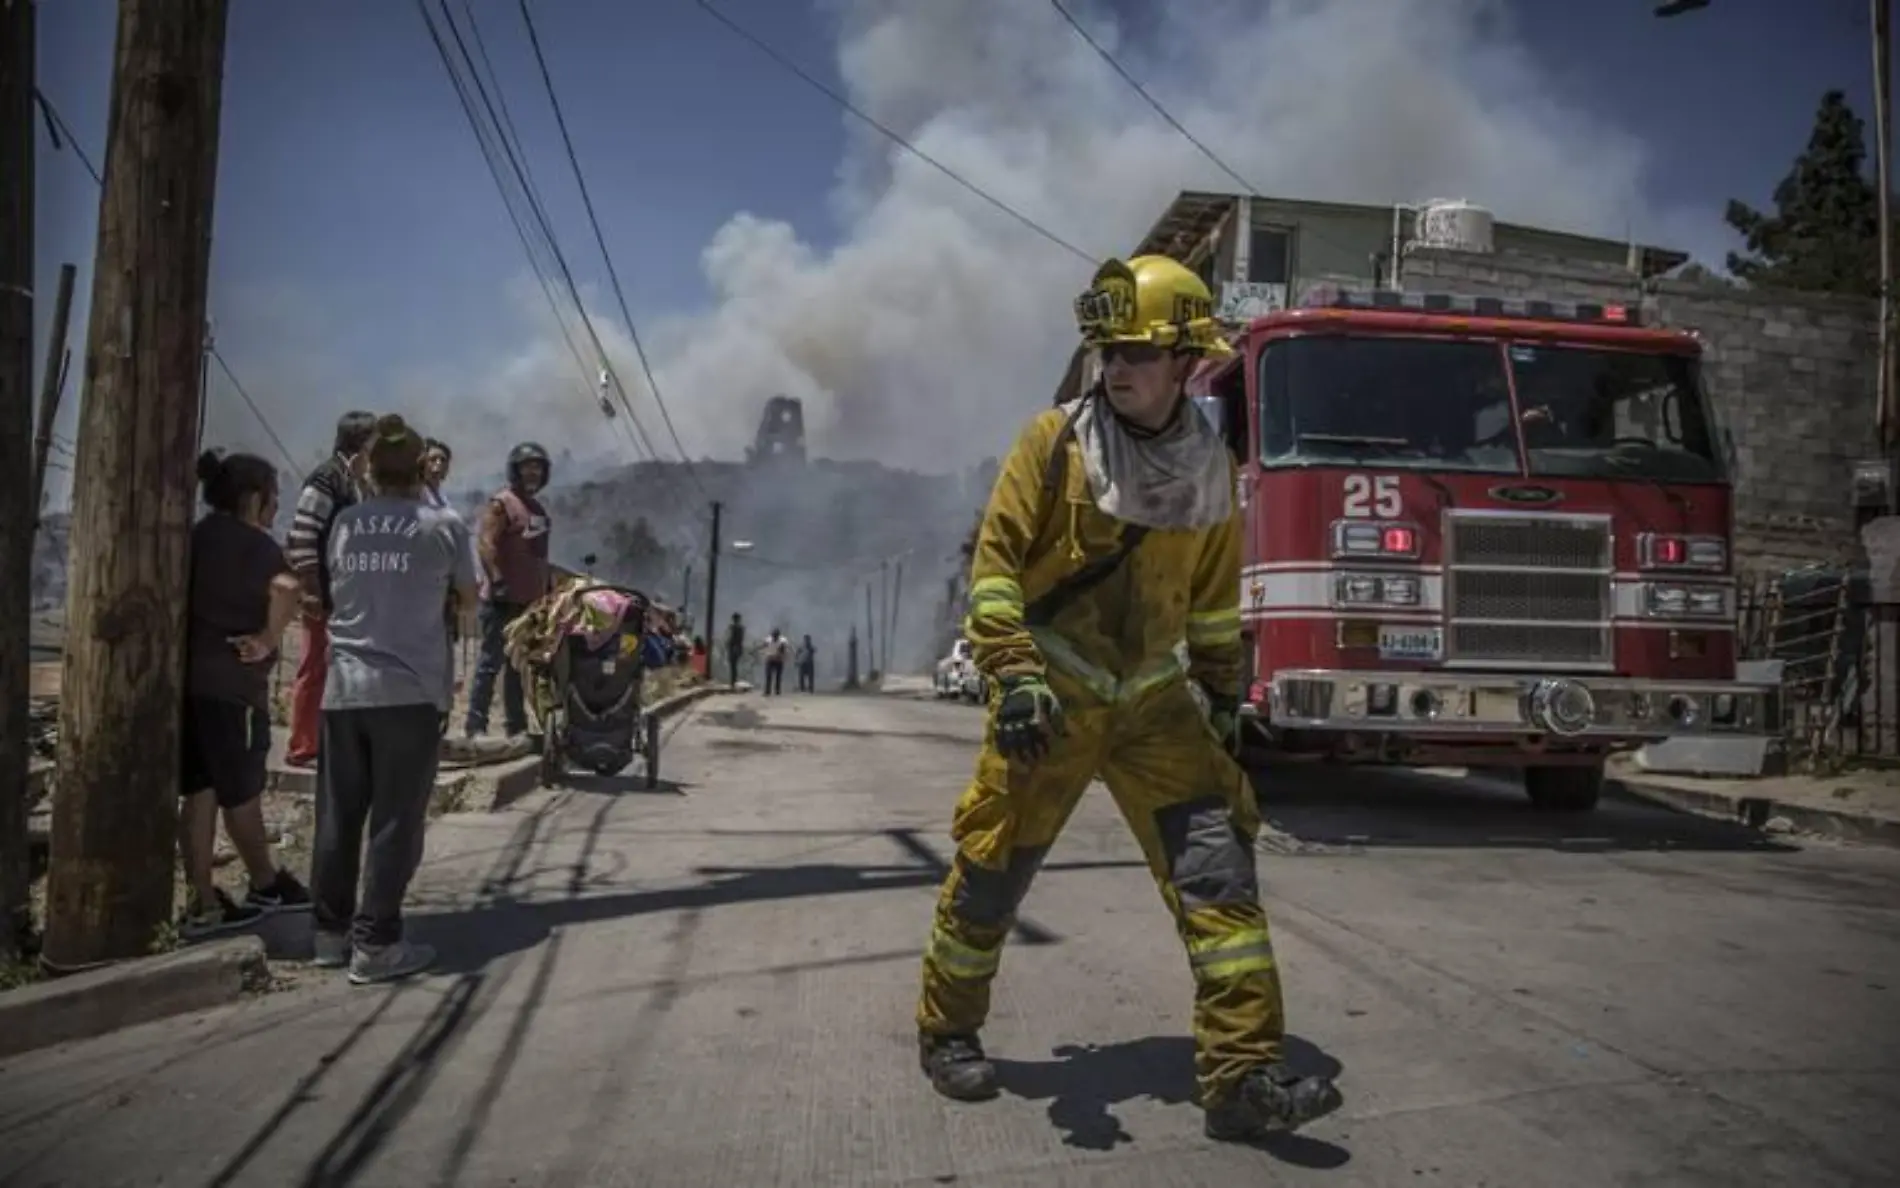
1188, 805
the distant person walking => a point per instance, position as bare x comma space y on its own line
807, 660
777, 647
513, 547
735, 647
395, 560
331, 487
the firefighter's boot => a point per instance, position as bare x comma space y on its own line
1270, 1100
957, 1067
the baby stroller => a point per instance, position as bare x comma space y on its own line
594, 716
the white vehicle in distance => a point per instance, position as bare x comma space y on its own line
957, 675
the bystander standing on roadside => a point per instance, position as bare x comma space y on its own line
242, 598
512, 547
735, 647
331, 487
776, 648
807, 660
394, 560
437, 458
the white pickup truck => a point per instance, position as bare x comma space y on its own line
957, 676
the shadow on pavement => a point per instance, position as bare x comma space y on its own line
1083, 1084
471, 939
1324, 808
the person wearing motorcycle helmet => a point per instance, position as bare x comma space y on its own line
513, 548
1112, 537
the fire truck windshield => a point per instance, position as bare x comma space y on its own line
1434, 404
1594, 413
1444, 404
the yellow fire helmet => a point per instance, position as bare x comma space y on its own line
1150, 299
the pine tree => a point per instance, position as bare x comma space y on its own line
1824, 235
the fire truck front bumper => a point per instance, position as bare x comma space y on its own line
1592, 708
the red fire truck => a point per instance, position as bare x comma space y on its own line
1481, 534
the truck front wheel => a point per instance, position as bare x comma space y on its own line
1564, 789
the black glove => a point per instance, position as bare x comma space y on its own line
1223, 715
1027, 717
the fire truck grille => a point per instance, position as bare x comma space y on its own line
1530, 595
1528, 589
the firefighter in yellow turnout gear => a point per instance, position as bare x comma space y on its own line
1109, 551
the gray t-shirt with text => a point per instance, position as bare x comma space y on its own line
392, 564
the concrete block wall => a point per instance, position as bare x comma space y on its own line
1792, 377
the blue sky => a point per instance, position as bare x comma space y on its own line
362, 253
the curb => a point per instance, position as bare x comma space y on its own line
1757, 811
127, 993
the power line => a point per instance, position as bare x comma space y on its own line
517, 159
907, 146
1201, 146
1152, 101
613, 274
539, 215
57, 128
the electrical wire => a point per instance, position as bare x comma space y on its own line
56, 127
1252, 190
517, 160
485, 138
1152, 101
818, 85
600, 239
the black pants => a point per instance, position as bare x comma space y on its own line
774, 677
494, 618
375, 769
807, 679
732, 666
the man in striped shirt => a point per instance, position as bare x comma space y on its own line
331, 487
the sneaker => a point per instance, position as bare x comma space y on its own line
332, 950
222, 914
285, 894
1271, 1100
370, 964
957, 1067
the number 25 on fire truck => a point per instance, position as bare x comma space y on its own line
1480, 533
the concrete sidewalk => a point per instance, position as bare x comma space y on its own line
714, 983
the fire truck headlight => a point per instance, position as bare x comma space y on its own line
1707, 552
1710, 602
1668, 600
1401, 591
1356, 589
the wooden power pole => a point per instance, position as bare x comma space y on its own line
1888, 416
18, 514
115, 811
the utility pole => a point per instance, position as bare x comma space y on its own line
712, 584
17, 514
686, 594
52, 382
1887, 418
890, 627
870, 635
115, 816
884, 613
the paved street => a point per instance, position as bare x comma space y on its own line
712, 985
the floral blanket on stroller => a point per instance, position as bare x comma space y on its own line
595, 615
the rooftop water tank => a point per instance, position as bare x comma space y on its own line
1452, 224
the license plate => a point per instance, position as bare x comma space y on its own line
1411, 643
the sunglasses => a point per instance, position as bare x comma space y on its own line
1132, 353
